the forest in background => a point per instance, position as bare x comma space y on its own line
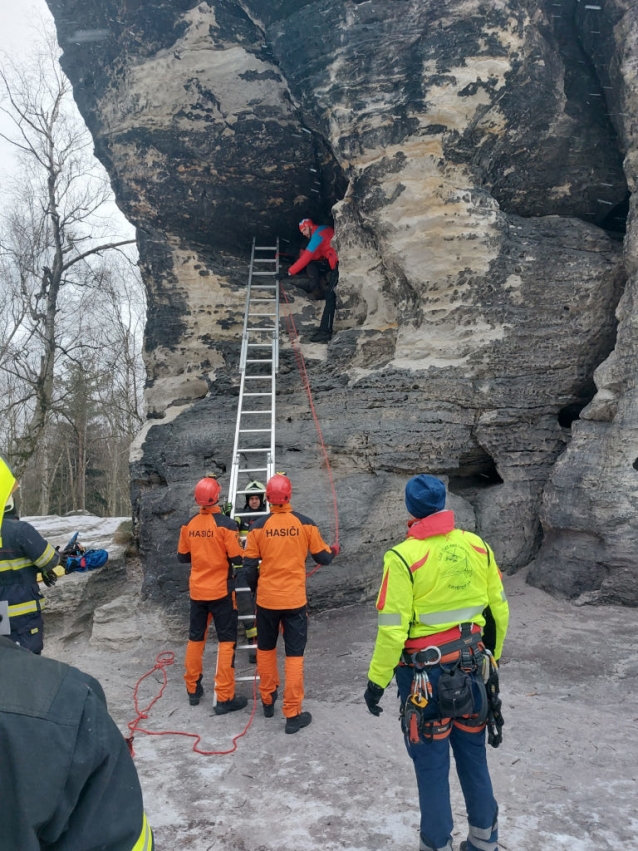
72, 303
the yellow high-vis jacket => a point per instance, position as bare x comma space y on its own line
436, 579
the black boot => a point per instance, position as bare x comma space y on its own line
194, 696
293, 725
269, 708
232, 705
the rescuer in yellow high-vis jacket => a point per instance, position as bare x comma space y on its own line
436, 586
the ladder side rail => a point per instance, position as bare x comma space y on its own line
234, 469
244, 335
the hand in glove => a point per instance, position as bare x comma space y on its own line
336, 549
49, 577
282, 275
372, 696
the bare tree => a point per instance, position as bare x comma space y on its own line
51, 237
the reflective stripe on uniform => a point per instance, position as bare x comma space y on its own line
388, 619
484, 838
46, 556
454, 616
25, 608
145, 841
15, 564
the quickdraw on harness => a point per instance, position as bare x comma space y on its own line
470, 701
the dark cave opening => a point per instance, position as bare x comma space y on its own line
476, 471
635, 464
570, 413
615, 222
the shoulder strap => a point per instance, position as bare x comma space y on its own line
407, 566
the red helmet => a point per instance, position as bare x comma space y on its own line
306, 223
278, 489
207, 491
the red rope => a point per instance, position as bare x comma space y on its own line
163, 661
305, 380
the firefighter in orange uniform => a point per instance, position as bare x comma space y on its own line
282, 541
210, 544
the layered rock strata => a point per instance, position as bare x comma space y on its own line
478, 159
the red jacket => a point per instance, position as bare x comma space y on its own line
319, 248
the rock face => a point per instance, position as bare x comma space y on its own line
478, 160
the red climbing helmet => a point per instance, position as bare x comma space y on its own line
207, 491
306, 223
278, 489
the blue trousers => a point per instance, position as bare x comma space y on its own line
432, 766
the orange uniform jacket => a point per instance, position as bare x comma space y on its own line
210, 542
282, 541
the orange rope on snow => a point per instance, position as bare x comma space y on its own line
162, 662
301, 366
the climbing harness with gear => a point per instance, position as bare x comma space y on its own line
462, 692
495, 719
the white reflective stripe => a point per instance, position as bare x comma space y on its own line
481, 832
503, 597
388, 620
455, 616
15, 564
23, 608
145, 841
46, 556
480, 837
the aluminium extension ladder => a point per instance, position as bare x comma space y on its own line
254, 444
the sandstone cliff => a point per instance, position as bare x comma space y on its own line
479, 160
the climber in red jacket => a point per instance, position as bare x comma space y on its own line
319, 256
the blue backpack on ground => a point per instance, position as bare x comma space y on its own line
79, 560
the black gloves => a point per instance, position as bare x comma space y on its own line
281, 276
372, 696
49, 577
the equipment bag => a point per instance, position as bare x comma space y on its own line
454, 692
88, 560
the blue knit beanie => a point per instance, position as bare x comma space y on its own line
424, 495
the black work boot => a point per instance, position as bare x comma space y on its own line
232, 705
269, 708
194, 696
293, 725
252, 654
320, 337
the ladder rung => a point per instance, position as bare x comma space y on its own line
253, 377
253, 470
265, 259
253, 430
269, 300
266, 248
260, 345
248, 679
258, 360
245, 451
248, 514
257, 328
257, 412
257, 394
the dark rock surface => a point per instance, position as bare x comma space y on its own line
478, 159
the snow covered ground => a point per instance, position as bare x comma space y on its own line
565, 776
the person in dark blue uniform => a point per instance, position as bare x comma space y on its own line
23, 555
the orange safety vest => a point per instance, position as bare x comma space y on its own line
282, 541
210, 542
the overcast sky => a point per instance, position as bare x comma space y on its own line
20, 22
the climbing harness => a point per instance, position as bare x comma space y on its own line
462, 693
